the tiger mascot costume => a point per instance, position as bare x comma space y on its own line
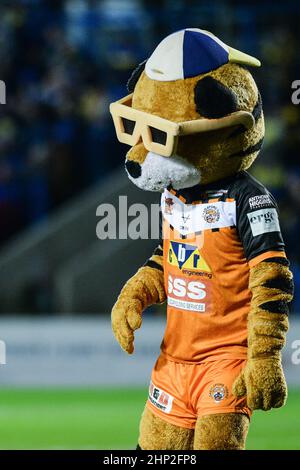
195, 124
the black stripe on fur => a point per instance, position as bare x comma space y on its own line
282, 283
276, 306
153, 264
253, 148
257, 108
239, 130
256, 113
277, 259
158, 251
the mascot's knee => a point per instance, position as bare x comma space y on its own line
221, 432
151, 431
157, 434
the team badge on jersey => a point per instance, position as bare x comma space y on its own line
187, 256
211, 214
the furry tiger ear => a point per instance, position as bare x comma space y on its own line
135, 76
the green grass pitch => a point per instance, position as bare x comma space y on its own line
108, 419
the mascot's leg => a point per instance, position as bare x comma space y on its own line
156, 434
226, 431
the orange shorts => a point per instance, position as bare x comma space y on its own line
180, 393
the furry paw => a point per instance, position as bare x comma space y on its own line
262, 380
126, 317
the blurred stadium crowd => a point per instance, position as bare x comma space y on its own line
63, 61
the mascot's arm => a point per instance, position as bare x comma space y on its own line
145, 288
262, 379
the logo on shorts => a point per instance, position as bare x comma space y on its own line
160, 399
218, 392
211, 214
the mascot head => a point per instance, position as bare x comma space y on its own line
193, 115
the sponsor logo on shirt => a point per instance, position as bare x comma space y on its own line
263, 200
185, 294
160, 399
186, 305
187, 256
263, 221
169, 203
190, 272
185, 218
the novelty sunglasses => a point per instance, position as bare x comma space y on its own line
160, 135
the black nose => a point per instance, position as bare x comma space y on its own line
133, 168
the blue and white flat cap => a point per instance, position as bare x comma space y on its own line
191, 52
